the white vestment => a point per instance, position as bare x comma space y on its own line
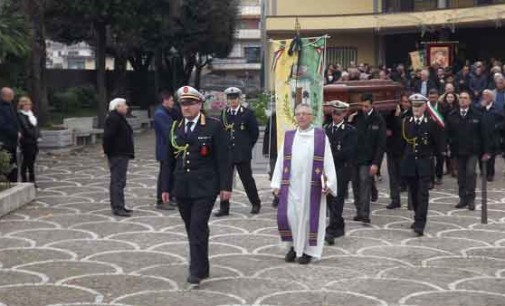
299, 190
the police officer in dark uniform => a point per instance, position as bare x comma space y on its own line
371, 130
199, 157
424, 141
243, 130
469, 141
343, 141
395, 149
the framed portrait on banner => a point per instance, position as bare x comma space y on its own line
439, 54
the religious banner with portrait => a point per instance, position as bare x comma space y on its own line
439, 54
298, 69
417, 58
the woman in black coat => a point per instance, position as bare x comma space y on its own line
29, 139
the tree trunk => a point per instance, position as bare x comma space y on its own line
120, 63
158, 68
37, 60
100, 55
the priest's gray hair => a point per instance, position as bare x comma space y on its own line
304, 105
115, 103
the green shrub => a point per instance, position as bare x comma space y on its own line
86, 95
5, 165
65, 101
260, 105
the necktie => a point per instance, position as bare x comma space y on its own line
335, 129
463, 113
189, 125
233, 112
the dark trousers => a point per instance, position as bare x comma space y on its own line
489, 166
419, 197
362, 185
467, 178
336, 225
28, 164
395, 178
13, 175
438, 167
245, 173
159, 187
196, 213
118, 166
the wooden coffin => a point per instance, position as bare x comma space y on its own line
386, 93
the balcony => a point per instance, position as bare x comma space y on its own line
250, 11
248, 34
233, 64
405, 6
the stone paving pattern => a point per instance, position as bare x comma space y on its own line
67, 249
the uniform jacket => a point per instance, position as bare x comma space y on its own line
395, 144
162, 124
343, 141
9, 127
467, 136
243, 135
203, 170
422, 143
494, 121
117, 136
371, 132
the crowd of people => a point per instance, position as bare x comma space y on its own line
440, 119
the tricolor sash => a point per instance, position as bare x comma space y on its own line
315, 186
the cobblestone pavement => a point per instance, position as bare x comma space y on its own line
67, 249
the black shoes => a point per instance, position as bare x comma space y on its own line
329, 240
222, 213
461, 204
121, 213
362, 219
290, 256
255, 209
305, 259
374, 197
128, 210
193, 282
419, 232
438, 181
471, 205
393, 206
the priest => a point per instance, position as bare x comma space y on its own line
304, 174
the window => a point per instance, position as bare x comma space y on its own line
341, 55
397, 6
252, 54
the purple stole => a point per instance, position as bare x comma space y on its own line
315, 189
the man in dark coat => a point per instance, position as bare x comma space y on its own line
164, 116
371, 130
343, 141
395, 149
469, 141
119, 149
425, 84
9, 130
270, 148
424, 140
198, 155
494, 121
241, 124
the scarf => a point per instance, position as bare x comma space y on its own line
31, 116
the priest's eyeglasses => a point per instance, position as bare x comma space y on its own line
302, 114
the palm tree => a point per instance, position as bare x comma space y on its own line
13, 33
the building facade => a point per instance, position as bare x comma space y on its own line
385, 31
243, 65
80, 56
